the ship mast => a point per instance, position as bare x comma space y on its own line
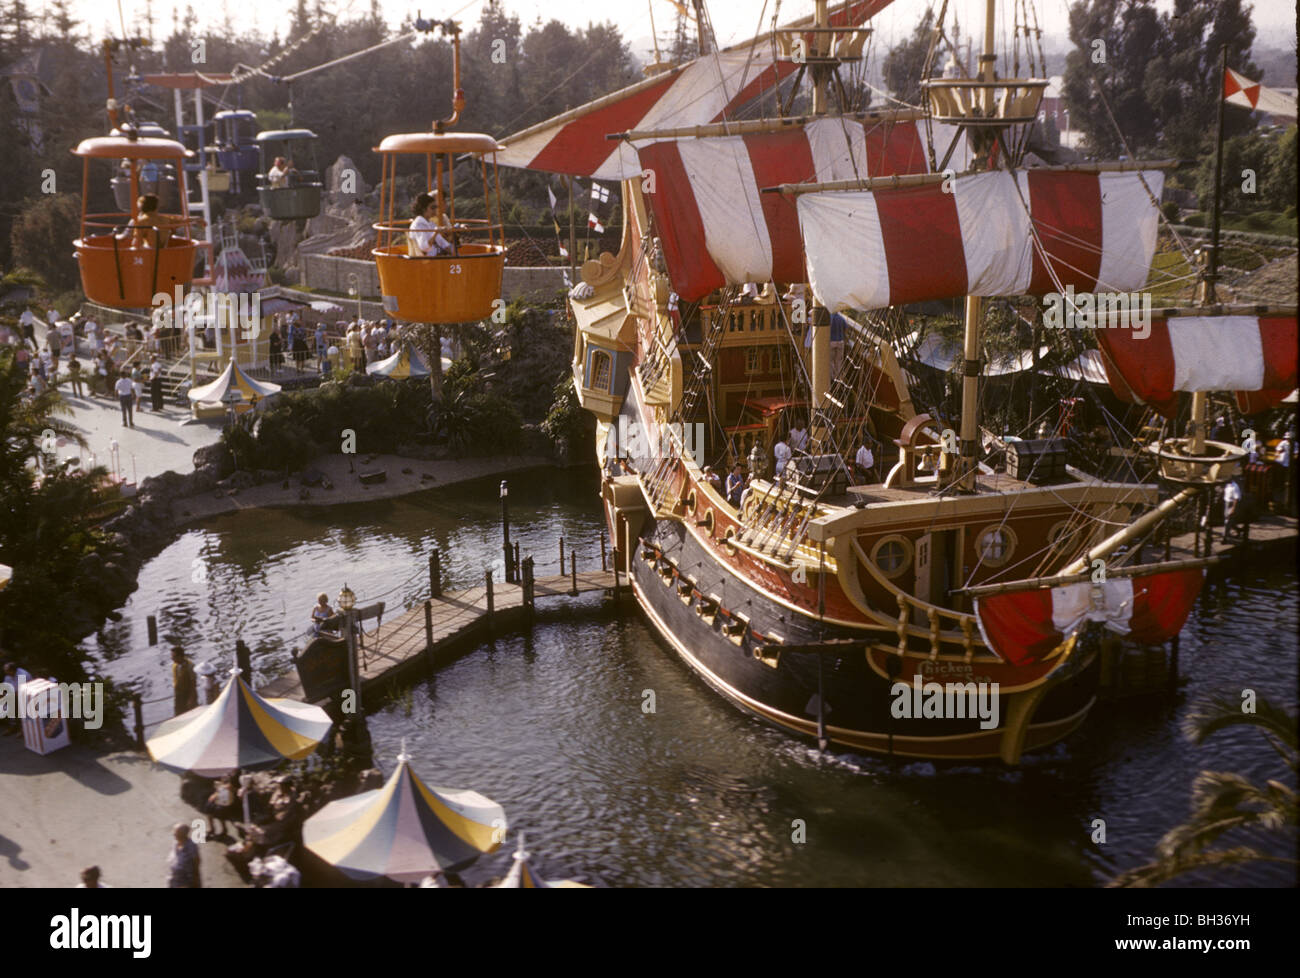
975, 304
819, 321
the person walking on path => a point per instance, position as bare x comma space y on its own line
156, 384
185, 687
90, 880
74, 376
183, 860
126, 397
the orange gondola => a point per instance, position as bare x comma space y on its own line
463, 283
114, 271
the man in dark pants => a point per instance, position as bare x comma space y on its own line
125, 391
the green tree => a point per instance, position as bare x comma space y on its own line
1114, 41
1229, 806
905, 61
1250, 152
1183, 82
1280, 173
46, 527
42, 236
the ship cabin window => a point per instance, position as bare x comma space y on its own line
752, 356
995, 546
892, 555
598, 373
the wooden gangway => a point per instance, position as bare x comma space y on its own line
433, 632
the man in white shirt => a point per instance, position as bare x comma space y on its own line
798, 439
125, 391
864, 461
1231, 500
781, 452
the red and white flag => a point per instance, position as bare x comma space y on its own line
1240, 90
1026, 626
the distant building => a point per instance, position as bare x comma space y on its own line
1053, 109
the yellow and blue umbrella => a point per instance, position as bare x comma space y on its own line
234, 379
238, 730
404, 830
406, 362
522, 876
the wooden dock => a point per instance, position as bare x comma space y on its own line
434, 632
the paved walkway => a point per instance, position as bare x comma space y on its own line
77, 807
158, 442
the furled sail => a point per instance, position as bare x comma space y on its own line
1025, 626
972, 236
715, 224
1252, 355
709, 89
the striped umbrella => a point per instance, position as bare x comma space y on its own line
234, 379
238, 730
404, 830
522, 876
406, 362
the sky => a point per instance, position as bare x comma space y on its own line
733, 20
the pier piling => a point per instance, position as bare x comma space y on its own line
561, 555
573, 570
137, 709
435, 573
428, 628
507, 551
152, 623
487, 580
529, 596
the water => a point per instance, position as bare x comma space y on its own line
551, 724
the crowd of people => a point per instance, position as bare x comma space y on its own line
352, 344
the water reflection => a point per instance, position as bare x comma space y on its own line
550, 724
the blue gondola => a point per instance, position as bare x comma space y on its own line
236, 140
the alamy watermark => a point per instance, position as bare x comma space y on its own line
220, 310
634, 440
1097, 310
945, 700
76, 701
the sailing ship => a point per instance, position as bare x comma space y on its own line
763, 274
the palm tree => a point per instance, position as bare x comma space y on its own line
1223, 801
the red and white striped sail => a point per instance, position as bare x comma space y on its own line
709, 89
1024, 626
1252, 355
872, 249
715, 224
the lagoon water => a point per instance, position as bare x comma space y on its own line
550, 724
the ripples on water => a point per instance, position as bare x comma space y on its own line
551, 724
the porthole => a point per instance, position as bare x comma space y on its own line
1063, 536
892, 555
727, 543
691, 501
995, 545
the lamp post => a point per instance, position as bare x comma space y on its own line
355, 289
505, 532
347, 602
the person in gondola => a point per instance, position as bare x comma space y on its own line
278, 175
147, 217
427, 242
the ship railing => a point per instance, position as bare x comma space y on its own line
962, 638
